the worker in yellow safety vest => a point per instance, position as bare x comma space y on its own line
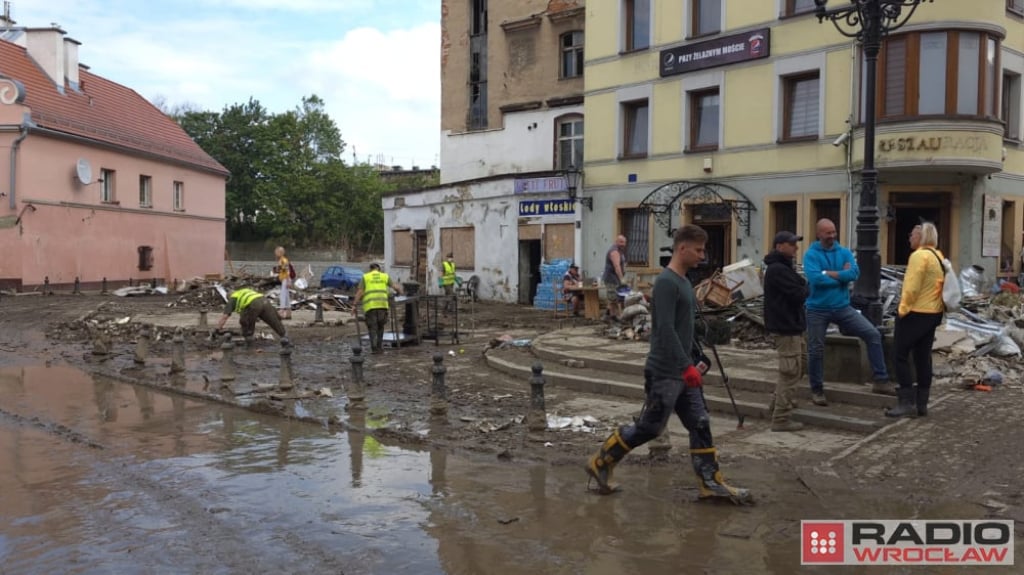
448, 279
250, 306
373, 293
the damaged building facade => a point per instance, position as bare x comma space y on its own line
97, 183
745, 117
511, 125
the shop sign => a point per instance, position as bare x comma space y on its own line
992, 227
933, 144
549, 185
732, 49
546, 208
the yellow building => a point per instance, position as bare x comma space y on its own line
745, 116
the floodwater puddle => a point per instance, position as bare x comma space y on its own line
106, 477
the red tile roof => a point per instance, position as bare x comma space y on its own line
103, 111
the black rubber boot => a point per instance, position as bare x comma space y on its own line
710, 481
906, 407
601, 464
922, 400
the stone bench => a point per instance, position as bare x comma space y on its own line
846, 359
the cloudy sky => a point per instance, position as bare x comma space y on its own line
374, 62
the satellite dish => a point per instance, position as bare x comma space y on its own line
83, 171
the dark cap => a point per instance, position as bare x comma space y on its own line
786, 238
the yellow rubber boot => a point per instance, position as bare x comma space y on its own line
711, 483
599, 467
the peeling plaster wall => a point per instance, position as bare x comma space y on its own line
526, 144
490, 207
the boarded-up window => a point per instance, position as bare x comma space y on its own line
462, 243
558, 241
403, 248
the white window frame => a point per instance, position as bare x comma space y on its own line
145, 191
624, 96
780, 9
794, 66
701, 82
1013, 63
178, 196
688, 20
108, 193
576, 139
564, 51
622, 28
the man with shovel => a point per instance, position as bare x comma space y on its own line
672, 382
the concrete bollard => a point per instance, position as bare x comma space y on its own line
178, 352
100, 342
103, 289
356, 391
286, 369
227, 364
538, 418
202, 318
142, 347
319, 318
78, 287
438, 391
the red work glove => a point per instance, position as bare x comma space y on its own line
691, 377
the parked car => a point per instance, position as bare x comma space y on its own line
341, 277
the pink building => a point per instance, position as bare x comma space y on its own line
95, 182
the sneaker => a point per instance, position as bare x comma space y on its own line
819, 399
787, 426
883, 388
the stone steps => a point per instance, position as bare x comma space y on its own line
852, 408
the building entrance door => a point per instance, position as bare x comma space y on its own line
910, 209
529, 270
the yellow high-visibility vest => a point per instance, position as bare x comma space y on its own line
375, 290
449, 274
244, 297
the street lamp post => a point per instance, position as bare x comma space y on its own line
572, 184
868, 21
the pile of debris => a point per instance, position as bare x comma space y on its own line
635, 321
105, 320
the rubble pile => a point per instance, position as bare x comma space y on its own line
635, 321
108, 322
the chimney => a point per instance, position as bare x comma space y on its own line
46, 47
71, 61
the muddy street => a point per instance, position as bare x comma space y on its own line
110, 467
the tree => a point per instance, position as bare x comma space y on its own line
289, 183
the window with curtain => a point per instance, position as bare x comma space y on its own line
801, 106
635, 126
572, 54
704, 119
638, 24
570, 142
1011, 106
939, 73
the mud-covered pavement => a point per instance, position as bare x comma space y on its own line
104, 476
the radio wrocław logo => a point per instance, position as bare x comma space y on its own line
891, 542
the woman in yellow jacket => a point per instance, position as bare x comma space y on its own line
920, 312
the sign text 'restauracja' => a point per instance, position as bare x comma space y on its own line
933, 144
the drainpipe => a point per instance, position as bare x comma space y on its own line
14, 164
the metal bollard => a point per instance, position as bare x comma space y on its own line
103, 290
142, 347
286, 369
202, 318
538, 418
356, 391
100, 342
178, 352
438, 392
78, 287
319, 309
227, 366
46, 286
129, 282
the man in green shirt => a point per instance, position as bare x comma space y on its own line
672, 382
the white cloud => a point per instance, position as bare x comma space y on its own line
381, 85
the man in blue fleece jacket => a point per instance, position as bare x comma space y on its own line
830, 269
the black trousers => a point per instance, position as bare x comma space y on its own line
915, 333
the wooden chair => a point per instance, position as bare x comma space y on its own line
559, 294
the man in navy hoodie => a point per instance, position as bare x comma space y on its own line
830, 269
